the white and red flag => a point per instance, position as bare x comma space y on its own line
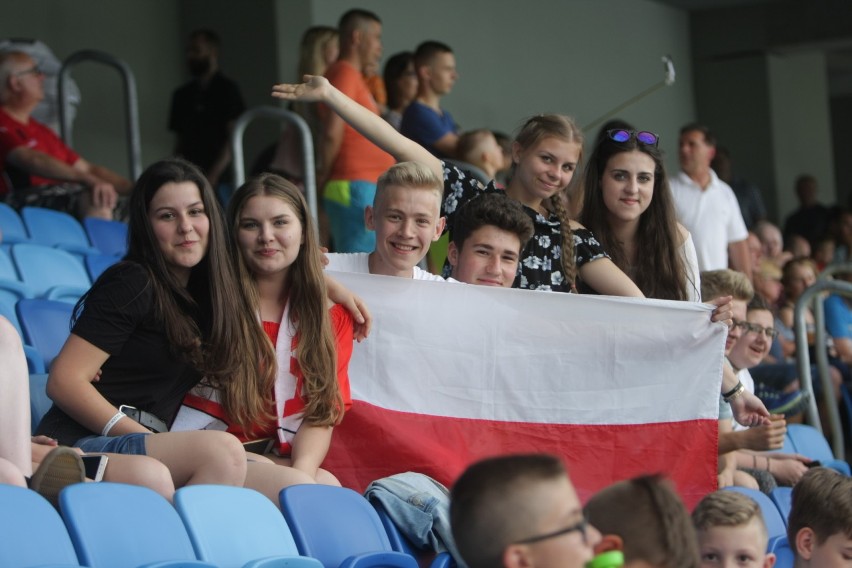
453, 373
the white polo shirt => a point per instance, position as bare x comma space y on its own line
359, 262
712, 215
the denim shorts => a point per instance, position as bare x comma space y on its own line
129, 444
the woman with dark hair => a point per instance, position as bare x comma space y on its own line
401, 85
151, 326
628, 205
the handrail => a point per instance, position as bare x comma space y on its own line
808, 297
281, 115
131, 109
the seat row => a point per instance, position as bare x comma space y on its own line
116, 525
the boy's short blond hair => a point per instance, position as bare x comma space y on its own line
715, 283
728, 509
408, 175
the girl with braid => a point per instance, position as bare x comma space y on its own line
545, 155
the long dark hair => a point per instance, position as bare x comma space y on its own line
660, 271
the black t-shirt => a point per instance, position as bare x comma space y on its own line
200, 116
142, 371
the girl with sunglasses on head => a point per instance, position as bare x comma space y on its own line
628, 205
278, 263
545, 155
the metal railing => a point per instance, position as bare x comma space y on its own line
305, 135
131, 100
812, 297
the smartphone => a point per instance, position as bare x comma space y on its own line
259, 446
814, 463
95, 466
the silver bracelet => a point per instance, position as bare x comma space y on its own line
118, 416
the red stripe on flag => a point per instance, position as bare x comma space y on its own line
374, 442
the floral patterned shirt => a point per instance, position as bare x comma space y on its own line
540, 267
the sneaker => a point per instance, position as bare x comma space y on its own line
789, 404
60, 468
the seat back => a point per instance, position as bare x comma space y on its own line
784, 557
43, 268
118, 525
31, 531
7, 268
46, 325
54, 228
96, 264
40, 403
783, 499
332, 524
110, 237
12, 226
230, 526
776, 526
808, 441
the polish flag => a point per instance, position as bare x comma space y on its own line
453, 373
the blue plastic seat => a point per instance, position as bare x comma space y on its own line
783, 499
12, 226
338, 527
40, 403
784, 557
235, 527
96, 264
113, 525
11, 287
776, 526
109, 237
400, 543
56, 229
51, 273
808, 441
46, 325
35, 362
31, 531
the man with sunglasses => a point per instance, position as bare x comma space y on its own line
707, 206
520, 510
31, 155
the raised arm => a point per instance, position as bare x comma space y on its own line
371, 126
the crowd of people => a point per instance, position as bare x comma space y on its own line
217, 349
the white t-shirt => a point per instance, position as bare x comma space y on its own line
712, 215
358, 262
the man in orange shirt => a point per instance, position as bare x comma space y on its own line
351, 164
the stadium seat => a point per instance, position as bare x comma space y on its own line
56, 229
96, 264
51, 273
40, 403
12, 227
46, 325
782, 497
400, 543
776, 526
11, 287
784, 557
124, 526
235, 527
808, 441
35, 363
31, 531
338, 527
109, 237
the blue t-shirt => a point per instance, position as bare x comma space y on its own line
838, 317
426, 126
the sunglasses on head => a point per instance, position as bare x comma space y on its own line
643, 136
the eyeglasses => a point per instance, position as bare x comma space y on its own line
34, 70
580, 526
747, 327
643, 136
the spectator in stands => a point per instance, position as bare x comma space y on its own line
628, 205
424, 121
811, 219
520, 511
645, 518
406, 217
401, 85
748, 195
488, 238
707, 206
772, 244
731, 531
505, 143
154, 324
546, 154
819, 527
479, 148
350, 165
52, 467
278, 263
842, 229
204, 110
33, 157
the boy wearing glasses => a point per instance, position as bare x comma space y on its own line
520, 511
